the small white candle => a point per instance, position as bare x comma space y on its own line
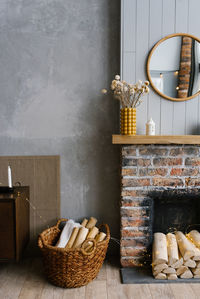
150, 127
9, 177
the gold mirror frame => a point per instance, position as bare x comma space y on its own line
148, 70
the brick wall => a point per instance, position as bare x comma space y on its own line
185, 67
146, 168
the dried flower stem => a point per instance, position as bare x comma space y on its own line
129, 95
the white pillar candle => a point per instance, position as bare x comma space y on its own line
9, 177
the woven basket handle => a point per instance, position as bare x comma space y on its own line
107, 230
40, 238
87, 243
40, 242
59, 222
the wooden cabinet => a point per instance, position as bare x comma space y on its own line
14, 222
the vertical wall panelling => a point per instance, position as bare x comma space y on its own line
168, 27
129, 7
128, 31
155, 34
122, 39
42, 175
192, 106
129, 66
142, 31
193, 28
153, 20
181, 13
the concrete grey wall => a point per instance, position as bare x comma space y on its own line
56, 55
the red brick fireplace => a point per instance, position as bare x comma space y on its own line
146, 169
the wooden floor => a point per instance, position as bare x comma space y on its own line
26, 281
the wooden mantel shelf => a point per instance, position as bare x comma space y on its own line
157, 139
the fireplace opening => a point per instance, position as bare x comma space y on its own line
170, 210
174, 210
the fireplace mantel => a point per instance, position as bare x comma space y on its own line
157, 139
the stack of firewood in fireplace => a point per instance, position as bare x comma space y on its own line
176, 255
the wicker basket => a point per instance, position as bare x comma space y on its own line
71, 268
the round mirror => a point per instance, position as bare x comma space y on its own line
173, 67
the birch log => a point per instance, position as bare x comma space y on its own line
100, 237
194, 236
197, 254
160, 267
92, 233
172, 249
172, 276
181, 270
196, 271
81, 236
186, 247
187, 274
159, 253
72, 237
178, 264
84, 222
91, 223
161, 276
155, 273
190, 263
169, 270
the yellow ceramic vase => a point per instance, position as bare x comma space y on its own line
128, 121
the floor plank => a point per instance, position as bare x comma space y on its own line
183, 291
136, 291
12, 278
96, 289
159, 291
196, 289
52, 292
102, 273
112, 272
35, 281
77, 293
26, 280
115, 289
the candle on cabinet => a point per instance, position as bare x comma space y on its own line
9, 177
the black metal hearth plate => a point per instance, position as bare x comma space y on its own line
143, 275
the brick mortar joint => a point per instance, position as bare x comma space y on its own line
130, 257
136, 208
136, 229
136, 218
152, 157
168, 176
153, 187
133, 198
164, 167
135, 247
134, 238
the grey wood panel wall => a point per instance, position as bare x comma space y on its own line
143, 23
42, 175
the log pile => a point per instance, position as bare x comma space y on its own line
176, 255
74, 235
